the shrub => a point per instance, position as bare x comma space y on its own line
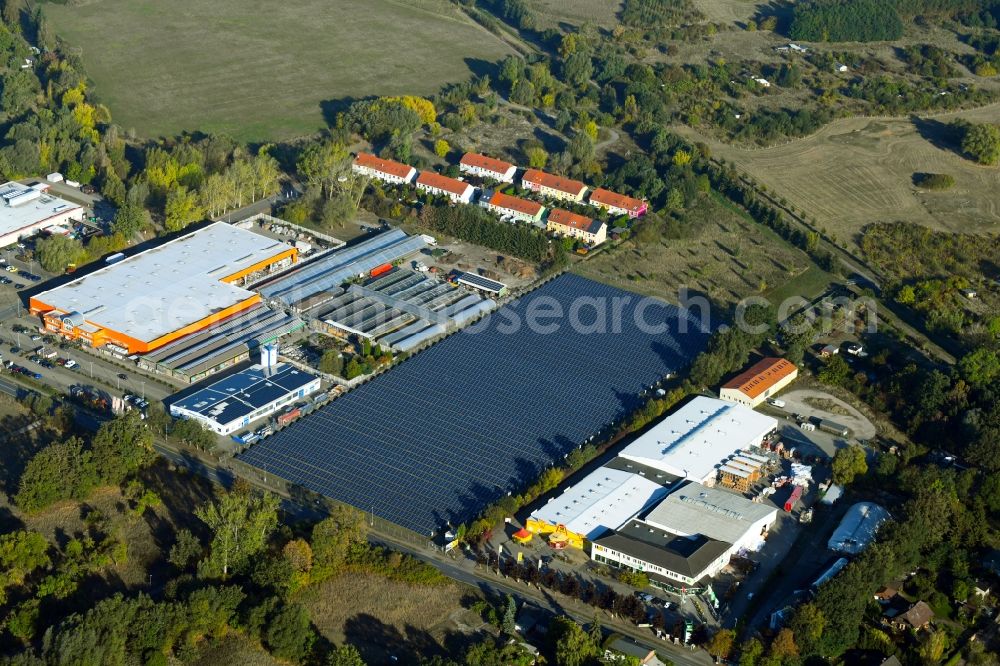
933, 181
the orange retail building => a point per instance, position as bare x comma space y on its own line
155, 297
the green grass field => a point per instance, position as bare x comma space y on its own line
725, 256
551, 13
261, 71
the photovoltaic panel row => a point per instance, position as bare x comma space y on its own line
482, 412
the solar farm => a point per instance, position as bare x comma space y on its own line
482, 412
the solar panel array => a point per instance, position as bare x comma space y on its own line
482, 412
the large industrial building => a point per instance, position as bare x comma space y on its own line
158, 296
602, 501
686, 538
237, 400
26, 210
697, 439
718, 514
759, 382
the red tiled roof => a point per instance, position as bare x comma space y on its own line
568, 219
761, 376
615, 200
484, 162
515, 203
567, 185
437, 181
390, 167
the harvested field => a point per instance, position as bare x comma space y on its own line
857, 171
385, 617
261, 71
725, 256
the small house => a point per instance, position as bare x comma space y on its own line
918, 617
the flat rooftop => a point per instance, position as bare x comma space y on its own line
240, 393
161, 290
482, 412
718, 514
23, 206
601, 501
698, 437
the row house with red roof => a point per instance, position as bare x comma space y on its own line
618, 204
388, 171
488, 168
456, 190
565, 223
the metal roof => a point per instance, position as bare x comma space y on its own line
480, 413
602, 500
163, 289
237, 395
334, 268
714, 512
693, 441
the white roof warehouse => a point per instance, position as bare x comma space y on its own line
25, 210
692, 442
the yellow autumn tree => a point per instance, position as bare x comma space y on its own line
421, 106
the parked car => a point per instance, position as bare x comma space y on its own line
36, 337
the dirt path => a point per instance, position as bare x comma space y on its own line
809, 402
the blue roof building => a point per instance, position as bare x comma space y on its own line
233, 402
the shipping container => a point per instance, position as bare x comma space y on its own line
793, 498
380, 270
288, 417
115, 258
834, 428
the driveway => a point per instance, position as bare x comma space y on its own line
810, 402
